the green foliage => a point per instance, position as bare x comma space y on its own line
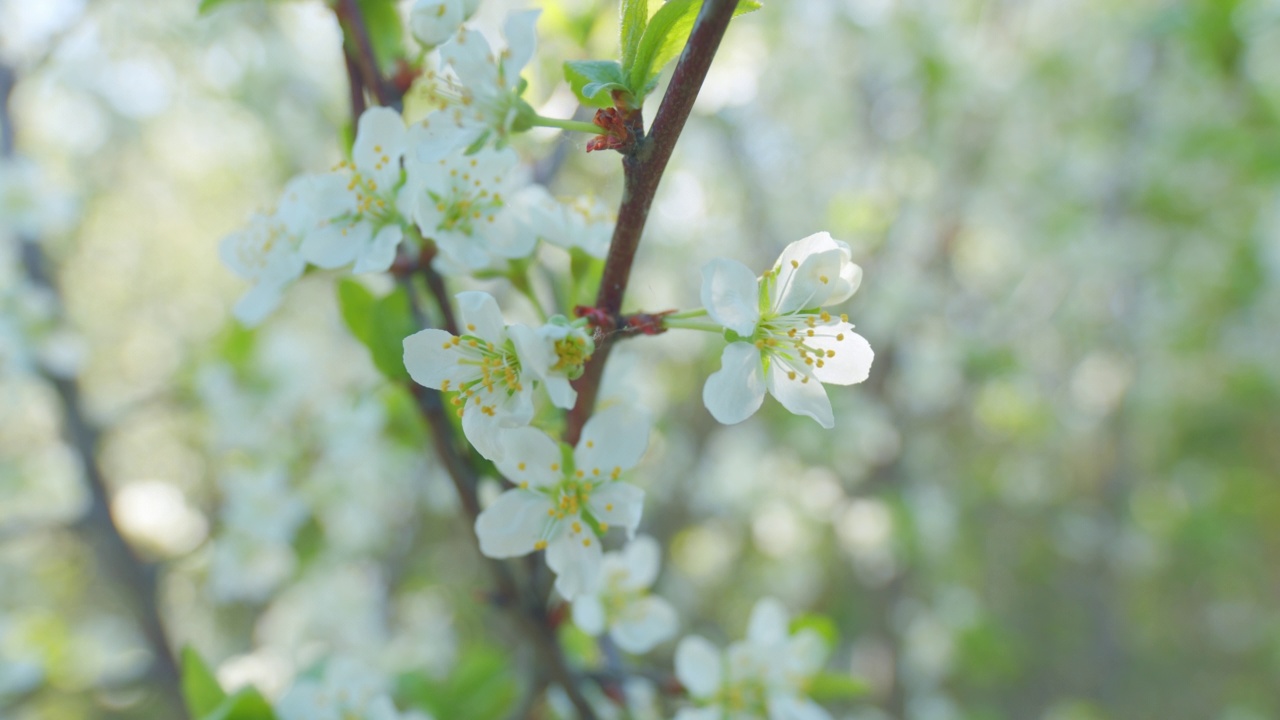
646, 46
208, 6
664, 38
828, 686
199, 687
380, 324
587, 272
246, 704
821, 624
634, 18
593, 80
481, 687
206, 699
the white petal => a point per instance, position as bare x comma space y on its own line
513, 524
257, 304
481, 430
814, 284
428, 141
851, 362
615, 437
560, 391
507, 237
645, 623
334, 244
850, 274
479, 314
768, 625
426, 358
618, 504
642, 558
698, 666
379, 134
730, 293
521, 42
528, 455
588, 614
470, 57
532, 348
435, 21
802, 398
735, 391
575, 559
378, 255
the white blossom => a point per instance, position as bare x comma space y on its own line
493, 367
461, 203
782, 341
582, 222
268, 251
763, 676
635, 619
360, 206
484, 100
435, 21
558, 505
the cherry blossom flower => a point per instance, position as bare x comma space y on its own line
781, 339
494, 367
361, 205
583, 222
636, 620
563, 502
267, 252
485, 99
345, 689
435, 21
761, 677
460, 202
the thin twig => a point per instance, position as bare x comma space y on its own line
349, 15
642, 171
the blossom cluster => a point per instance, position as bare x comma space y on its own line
449, 186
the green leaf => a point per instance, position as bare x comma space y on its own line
200, 688
633, 18
380, 324
481, 687
821, 624
386, 31
208, 6
356, 304
836, 686
592, 80
586, 272
246, 704
665, 37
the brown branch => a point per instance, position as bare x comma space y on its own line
642, 171
137, 579
357, 30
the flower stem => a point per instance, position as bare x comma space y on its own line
575, 125
700, 312
672, 323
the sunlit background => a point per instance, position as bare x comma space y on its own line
1057, 497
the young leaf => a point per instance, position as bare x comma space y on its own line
836, 686
665, 37
246, 704
356, 304
380, 324
200, 688
633, 17
591, 80
821, 624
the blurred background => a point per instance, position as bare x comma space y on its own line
1057, 497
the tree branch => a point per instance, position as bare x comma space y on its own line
642, 171
135, 578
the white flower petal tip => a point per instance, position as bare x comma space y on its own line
785, 344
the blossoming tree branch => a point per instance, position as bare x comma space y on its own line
433, 194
